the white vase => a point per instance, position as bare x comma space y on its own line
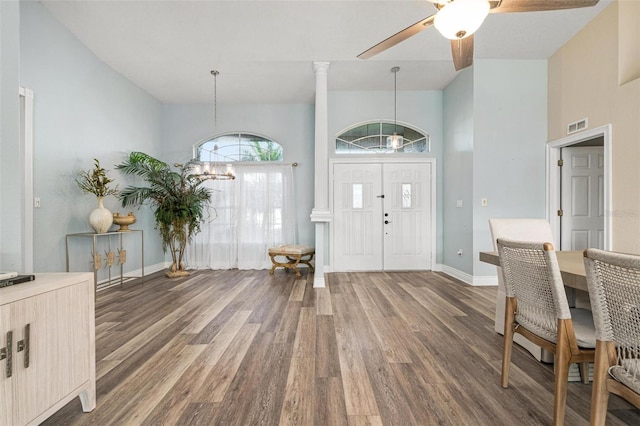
101, 219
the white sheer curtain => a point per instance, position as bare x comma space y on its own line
247, 216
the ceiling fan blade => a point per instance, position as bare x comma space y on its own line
508, 6
398, 37
462, 52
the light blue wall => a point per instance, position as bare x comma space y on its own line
487, 124
83, 109
510, 134
420, 109
291, 125
11, 200
495, 116
459, 137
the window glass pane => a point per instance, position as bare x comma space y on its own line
239, 147
372, 138
356, 189
406, 195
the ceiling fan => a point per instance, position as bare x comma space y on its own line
457, 20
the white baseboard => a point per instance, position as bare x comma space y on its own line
437, 267
470, 279
318, 281
130, 275
489, 280
148, 270
462, 276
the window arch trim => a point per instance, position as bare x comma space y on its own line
264, 149
416, 141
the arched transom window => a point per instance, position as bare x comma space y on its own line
238, 147
371, 137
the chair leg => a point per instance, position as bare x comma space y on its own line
599, 394
509, 320
584, 372
562, 363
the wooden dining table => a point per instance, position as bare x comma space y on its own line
571, 265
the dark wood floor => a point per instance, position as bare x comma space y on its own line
248, 348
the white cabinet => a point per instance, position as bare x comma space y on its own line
47, 330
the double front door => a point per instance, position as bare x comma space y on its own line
382, 216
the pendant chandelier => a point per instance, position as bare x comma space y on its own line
395, 141
214, 169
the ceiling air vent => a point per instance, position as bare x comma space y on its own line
576, 126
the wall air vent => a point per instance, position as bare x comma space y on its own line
576, 126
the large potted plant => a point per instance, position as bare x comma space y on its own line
177, 198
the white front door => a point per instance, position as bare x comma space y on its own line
357, 225
582, 198
382, 217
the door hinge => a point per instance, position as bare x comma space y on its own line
560, 212
560, 163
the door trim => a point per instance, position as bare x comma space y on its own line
553, 178
26, 158
379, 160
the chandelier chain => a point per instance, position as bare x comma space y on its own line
395, 98
215, 97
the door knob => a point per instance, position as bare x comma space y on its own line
386, 222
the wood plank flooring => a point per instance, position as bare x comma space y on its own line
249, 348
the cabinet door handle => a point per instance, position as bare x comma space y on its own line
6, 353
23, 345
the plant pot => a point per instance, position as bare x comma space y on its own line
176, 274
101, 219
123, 221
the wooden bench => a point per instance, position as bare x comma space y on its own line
295, 254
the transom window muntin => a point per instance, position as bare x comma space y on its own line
238, 147
371, 138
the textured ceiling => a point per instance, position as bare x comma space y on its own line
264, 49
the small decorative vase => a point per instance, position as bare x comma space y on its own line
123, 221
101, 219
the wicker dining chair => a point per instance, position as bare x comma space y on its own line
614, 290
537, 308
520, 229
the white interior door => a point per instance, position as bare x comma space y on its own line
382, 217
407, 211
582, 201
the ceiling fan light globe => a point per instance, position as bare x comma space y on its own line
461, 18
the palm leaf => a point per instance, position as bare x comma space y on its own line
177, 198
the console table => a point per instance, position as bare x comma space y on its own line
111, 256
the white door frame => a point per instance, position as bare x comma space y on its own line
553, 180
379, 160
26, 158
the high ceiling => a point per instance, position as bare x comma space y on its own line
264, 49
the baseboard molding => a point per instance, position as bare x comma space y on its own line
437, 267
131, 275
318, 281
489, 280
462, 276
148, 270
470, 279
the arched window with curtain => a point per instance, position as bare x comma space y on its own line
249, 214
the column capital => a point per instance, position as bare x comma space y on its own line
321, 66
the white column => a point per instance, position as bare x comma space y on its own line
320, 213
